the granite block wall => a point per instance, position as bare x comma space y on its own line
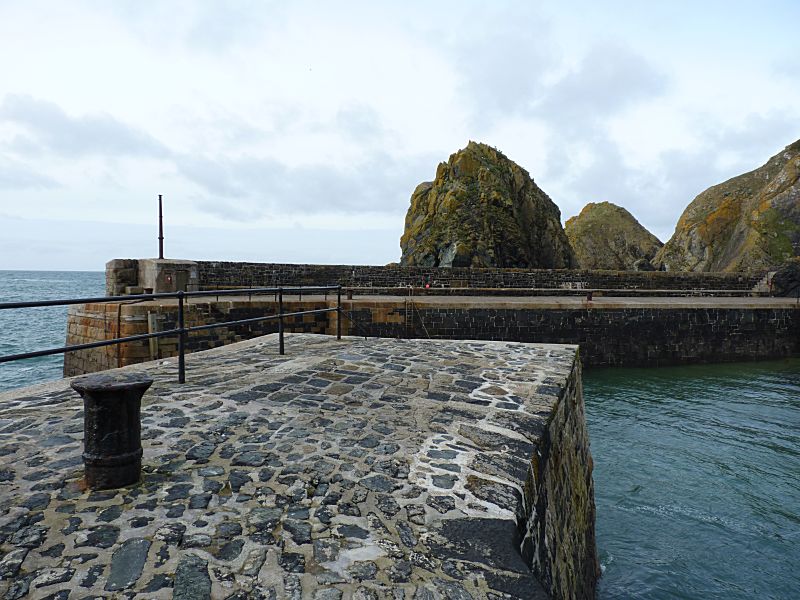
217, 275
121, 273
651, 336
607, 337
558, 537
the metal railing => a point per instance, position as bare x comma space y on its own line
181, 330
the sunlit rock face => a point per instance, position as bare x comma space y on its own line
483, 210
606, 236
748, 223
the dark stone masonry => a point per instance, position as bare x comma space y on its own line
122, 273
215, 275
402, 469
610, 331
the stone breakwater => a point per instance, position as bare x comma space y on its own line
123, 273
610, 330
353, 469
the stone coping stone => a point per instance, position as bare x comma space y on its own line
343, 469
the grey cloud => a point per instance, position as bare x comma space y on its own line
360, 122
229, 211
50, 129
222, 25
658, 196
203, 25
14, 176
608, 178
788, 68
248, 188
755, 138
501, 62
610, 79
216, 177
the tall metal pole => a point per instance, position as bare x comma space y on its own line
160, 230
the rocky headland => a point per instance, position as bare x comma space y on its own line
483, 210
748, 223
606, 236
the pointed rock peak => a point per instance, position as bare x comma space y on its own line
483, 210
606, 236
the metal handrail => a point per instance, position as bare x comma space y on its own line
181, 331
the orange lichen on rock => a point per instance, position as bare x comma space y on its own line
483, 210
748, 223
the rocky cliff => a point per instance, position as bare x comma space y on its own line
748, 223
483, 210
606, 236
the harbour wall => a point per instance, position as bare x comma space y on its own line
125, 273
611, 332
231, 274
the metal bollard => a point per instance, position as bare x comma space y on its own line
112, 443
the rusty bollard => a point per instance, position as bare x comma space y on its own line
112, 442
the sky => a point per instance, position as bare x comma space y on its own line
296, 131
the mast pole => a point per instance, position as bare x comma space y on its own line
160, 230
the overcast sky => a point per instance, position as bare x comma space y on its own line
296, 131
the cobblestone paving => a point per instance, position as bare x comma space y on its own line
353, 469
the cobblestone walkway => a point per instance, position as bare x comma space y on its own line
352, 469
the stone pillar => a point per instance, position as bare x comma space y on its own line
112, 446
168, 275
121, 273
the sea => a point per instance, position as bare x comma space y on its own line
696, 469
30, 329
697, 480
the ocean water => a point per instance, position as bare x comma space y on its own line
30, 329
697, 480
697, 469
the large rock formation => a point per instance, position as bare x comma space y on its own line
606, 236
483, 210
748, 223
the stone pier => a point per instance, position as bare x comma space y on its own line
384, 468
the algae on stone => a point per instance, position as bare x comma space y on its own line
483, 210
606, 236
749, 223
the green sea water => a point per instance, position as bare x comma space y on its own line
697, 480
30, 329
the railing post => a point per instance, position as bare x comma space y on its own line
339, 312
280, 321
181, 341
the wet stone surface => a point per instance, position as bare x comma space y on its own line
350, 469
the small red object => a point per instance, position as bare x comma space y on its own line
427, 285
